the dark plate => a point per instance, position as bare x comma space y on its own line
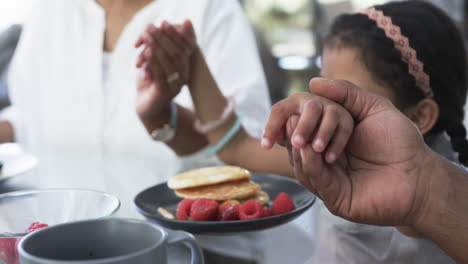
148, 201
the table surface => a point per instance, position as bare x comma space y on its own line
122, 178
126, 178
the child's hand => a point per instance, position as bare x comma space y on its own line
322, 123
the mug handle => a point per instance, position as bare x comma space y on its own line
181, 237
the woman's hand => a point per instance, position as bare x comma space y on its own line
165, 63
380, 177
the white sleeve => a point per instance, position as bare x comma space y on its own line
228, 44
24, 68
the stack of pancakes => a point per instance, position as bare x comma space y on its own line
217, 183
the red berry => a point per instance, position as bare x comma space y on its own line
232, 213
267, 212
251, 210
225, 205
183, 209
282, 204
204, 210
36, 226
9, 246
9, 250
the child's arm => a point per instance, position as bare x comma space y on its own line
244, 150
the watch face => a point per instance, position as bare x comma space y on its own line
164, 134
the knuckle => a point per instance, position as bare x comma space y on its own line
293, 121
313, 105
278, 109
289, 128
387, 103
334, 110
298, 95
347, 129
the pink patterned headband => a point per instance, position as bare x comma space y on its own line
408, 54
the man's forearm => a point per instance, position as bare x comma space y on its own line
446, 219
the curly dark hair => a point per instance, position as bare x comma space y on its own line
439, 45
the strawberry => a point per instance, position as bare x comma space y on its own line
183, 209
251, 210
282, 204
204, 210
231, 213
267, 212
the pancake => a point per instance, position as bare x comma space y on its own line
260, 196
223, 191
207, 176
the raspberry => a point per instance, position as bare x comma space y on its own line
36, 226
225, 205
8, 250
231, 213
267, 212
9, 246
183, 209
204, 210
251, 210
282, 204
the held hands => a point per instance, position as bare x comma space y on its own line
165, 69
379, 177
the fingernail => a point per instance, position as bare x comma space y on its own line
265, 142
299, 140
318, 145
331, 157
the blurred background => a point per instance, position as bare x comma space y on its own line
289, 35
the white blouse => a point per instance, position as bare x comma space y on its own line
56, 78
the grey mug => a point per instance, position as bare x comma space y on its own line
105, 241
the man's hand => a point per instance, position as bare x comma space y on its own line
380, 177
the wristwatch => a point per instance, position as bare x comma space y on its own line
168, 131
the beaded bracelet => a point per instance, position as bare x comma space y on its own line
213, 150
213, 125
